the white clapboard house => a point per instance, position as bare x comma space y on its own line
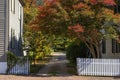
11, 28
108, 64
111, 48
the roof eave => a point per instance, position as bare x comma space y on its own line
21, 1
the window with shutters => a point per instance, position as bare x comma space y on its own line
115, 46
12, 38
103, 46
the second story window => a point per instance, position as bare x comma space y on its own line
13, 6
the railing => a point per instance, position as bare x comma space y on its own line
22, 66
98, 67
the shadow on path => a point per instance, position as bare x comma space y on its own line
56, 66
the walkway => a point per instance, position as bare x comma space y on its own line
56, 66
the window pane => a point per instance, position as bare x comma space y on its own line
104, 46
20, 43
117, 9
12, 38
113, 46
117, 47
19, 12
13, 6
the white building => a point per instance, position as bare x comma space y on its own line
11, 28
110, 49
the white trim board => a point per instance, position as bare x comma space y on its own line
3, 67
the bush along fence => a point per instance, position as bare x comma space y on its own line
98, 67
19, 66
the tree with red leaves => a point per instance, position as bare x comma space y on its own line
105, 2
87, 20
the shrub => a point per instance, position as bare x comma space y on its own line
76, 50
11, 60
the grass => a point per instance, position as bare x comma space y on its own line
39, 63
35, 68
54, 70
53, 73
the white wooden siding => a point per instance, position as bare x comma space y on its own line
2, 30
14, 23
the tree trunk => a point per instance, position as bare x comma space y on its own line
98, 52
91, 48
94, 48
97, 48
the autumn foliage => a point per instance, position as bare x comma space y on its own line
83, 19
105, 2
76, 28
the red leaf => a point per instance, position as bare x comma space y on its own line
50, 2
76, 28
109, 2
93, 1
106, 2
80, 5
40, 8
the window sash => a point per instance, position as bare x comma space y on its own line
19, 12
13, 6
115, 46
103, 46
117, 9
12, 38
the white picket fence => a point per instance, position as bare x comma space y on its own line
98, 67
22, 68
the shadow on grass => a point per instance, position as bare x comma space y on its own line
35, 68
56, 72
118, 77
38, 64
